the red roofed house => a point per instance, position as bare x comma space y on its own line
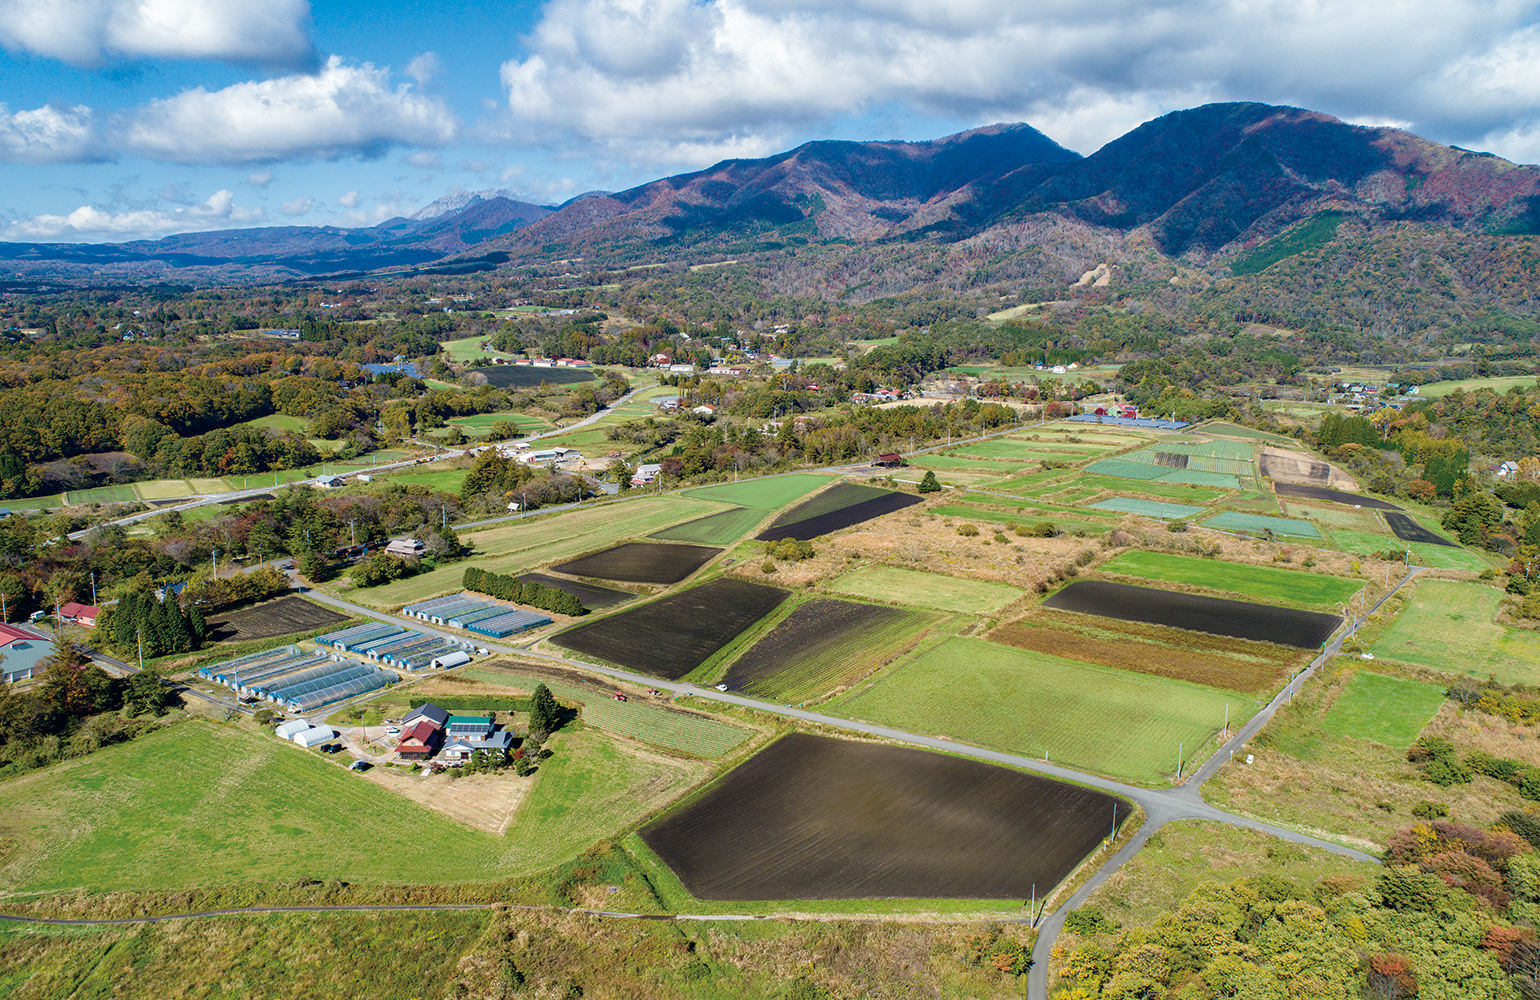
420, 741
80, 614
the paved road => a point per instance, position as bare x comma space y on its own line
444, 454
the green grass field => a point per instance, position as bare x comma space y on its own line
517, 546
1147, 508
949, 463
1388, 710
1497, 383
1257, 524
203, 804
447, 480
1265, 583
722, 528
468, 349
763, 494
893, 585
1113, 722
200, 804
252, 955
589, 789
480, 424
840, 660
1449, 627
1422, 553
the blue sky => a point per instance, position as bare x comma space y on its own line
122, 119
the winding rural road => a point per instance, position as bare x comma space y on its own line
1160, 806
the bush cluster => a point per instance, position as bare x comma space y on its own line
1436, 758
790, 550
527, 592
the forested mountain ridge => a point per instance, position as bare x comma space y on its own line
1194, 189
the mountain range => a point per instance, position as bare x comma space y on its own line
1192, 186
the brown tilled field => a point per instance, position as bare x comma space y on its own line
285, 616
1263, 671
817, 818
673, 635
641, 562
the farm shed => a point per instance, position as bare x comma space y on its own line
21, 650
288, 730
314, 737
406, 548
456, 659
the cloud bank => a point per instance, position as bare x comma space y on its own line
87, 32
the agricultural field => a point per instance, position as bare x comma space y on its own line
481, 424
641, 562
673, 635
1115, 722
918, 588
1217, 616
252, 955
1267, 583
722, 528
1261, 524
1496, 383
285, 616
590, 788
447, 480
840, 506
593, 598
1451, 628
1408, 530
1147, 508
528, 376
155, 814
1306, 491
525, 544
817, 818
766, 494
1214, 661
821, 646
1421, 554
1388, 710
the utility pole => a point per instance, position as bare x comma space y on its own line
1178, 760
93, 588
1114, 835
353, 530
5, 616
214, 562
139, 635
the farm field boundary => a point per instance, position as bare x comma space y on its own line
1215, 615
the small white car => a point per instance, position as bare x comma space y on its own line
393, 731
721, 687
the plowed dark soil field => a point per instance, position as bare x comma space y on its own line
1216, 615
593, 598
524, 376
670, 637
641, 562
285, 616
811, 817
835, 508
1303, 492
1409, 530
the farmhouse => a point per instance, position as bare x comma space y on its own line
80, 614
419, 741
646, 473
462, 747
406, 548
21, 650
329, 482
428, 711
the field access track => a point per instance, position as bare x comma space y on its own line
673, 635
1216, 615
811, 817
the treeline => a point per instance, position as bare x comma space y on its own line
74, 709
142, 623
526, 592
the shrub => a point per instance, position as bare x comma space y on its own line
768, 566
790, 550
929, 483
1427, 809
1089, 920
967, 530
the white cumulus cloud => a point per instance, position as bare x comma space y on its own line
299, 206
89, 223
341, 110
48, 135
272, 32
700, 76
